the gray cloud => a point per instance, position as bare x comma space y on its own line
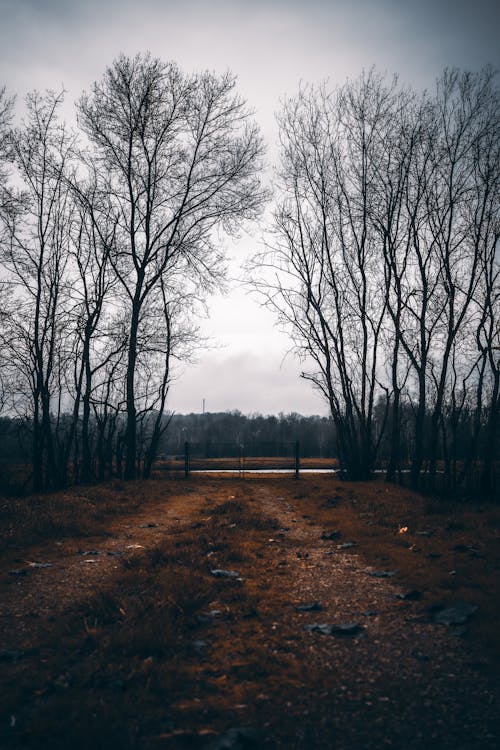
271, 45
248, 381
297, 35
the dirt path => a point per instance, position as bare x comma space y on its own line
391, 679
410, 682
68, 570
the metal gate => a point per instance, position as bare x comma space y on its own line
236, 457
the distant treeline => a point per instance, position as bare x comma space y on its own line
222, 433
225, 434
218, 434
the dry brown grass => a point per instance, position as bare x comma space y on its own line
458, 560
134, 642
82, 511
142, 662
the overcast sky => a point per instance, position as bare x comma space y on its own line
271, 45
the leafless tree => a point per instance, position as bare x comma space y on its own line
92, 286
383, 263
38, 220
179, 157
461, 204
172, 336
328, 283
6, 111
487, 336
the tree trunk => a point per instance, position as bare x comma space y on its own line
418, 452
86, 450
395, 446
37, 449
490, 452
48, 439
131, 427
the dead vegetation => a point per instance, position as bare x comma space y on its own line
183, 624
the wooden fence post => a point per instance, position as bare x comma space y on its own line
297, 459
241, 461
187, 461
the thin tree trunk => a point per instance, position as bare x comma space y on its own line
491, 443
131, 427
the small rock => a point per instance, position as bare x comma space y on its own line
347, 545
92, 552
348, 628
309, 607
244, 738
330, 535
410, 596
220, 573
340, 629
455, 614
317, 627
205, 617
466, 548
39, 565
199, 645
382, 573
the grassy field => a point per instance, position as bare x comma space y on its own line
172, 614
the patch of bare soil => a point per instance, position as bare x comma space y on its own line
256, 613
